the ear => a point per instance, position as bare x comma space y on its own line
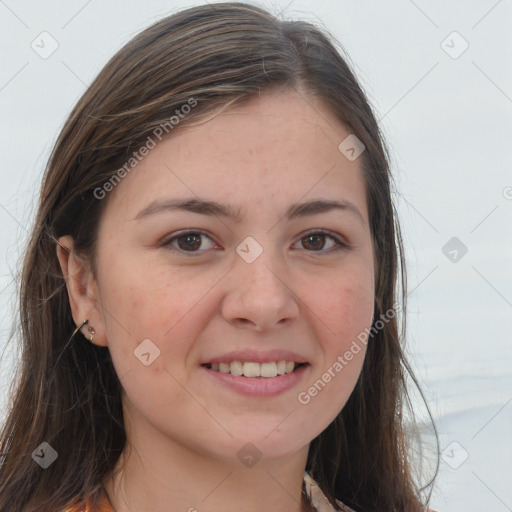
82, 290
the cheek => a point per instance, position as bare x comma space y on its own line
348, 313
157, 304
148, 298
343, 311
344, 307
148, 305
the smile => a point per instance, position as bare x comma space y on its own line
253, 369
253, 379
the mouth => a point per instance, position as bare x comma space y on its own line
255, 370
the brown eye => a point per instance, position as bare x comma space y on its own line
190, 242
316, 241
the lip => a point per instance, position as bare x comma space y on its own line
257, 356
258, 386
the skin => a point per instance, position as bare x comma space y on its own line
184, 429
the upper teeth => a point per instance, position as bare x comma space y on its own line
250, 369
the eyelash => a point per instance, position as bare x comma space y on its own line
339, 244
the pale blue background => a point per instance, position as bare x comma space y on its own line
449, 125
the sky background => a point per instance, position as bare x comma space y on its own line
438, 75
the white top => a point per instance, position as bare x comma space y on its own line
318, 499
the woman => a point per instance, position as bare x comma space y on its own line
209, 298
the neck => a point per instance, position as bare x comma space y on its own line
164, 475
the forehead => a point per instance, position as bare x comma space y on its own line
279, 147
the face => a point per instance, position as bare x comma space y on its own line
272, 278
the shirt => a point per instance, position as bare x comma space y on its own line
315, 494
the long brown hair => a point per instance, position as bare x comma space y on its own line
67, 394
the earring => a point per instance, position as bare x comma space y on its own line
91, 330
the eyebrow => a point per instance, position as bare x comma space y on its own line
205, 207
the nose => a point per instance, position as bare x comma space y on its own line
260, 296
